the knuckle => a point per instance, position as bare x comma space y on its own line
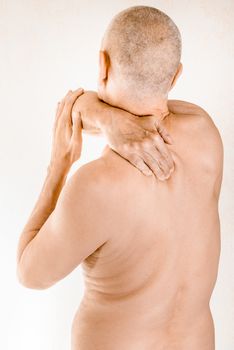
124, 147
161, 159
134, 145
146, 143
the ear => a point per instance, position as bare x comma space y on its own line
176, 76
103, 66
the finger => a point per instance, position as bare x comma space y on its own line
61, 103
59, 110
155, 163
68, 93
159, 153
76, 125
66, 96
70, 99
163, 132
57, 115
71, 95
60, 106
76, 119
164, 151
139, 164
69, 102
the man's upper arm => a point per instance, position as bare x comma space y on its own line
73, 231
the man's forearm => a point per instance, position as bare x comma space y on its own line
54, 182
95, 114
93, 124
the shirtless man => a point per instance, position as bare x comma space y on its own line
149, 249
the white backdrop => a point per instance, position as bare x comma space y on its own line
47, 48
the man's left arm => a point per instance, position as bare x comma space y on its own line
49, 246
55, 241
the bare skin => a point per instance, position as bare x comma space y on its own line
149, 286
149, 248
128, 134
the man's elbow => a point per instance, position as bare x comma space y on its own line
29, 281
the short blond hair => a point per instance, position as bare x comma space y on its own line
144, 45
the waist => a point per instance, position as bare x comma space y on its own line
146, 309
129, 328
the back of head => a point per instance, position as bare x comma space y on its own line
144, 47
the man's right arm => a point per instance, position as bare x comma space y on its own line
145, 148
93, 113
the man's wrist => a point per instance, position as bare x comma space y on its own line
60, 168
103, 118
92, 119
98, 120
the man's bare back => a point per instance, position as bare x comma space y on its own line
150, 285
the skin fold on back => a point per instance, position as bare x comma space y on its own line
149, 286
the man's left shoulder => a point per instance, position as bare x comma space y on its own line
96, 177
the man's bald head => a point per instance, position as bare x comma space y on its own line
144, 47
